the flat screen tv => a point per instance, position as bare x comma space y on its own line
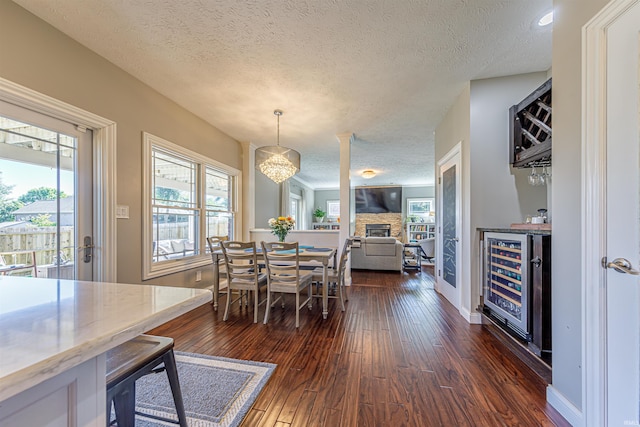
378, 199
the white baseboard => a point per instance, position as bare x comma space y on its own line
472, 318
567, 409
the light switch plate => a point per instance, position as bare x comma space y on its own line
122, 211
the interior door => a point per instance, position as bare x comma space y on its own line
448, 256
47, 199
622, 219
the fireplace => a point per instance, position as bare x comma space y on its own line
378, 230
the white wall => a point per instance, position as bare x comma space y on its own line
570, 16
267, 200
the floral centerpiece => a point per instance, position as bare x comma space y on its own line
280, 226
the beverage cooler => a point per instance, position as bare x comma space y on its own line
517, 286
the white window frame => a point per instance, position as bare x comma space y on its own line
425, 217
329, 210
298, 213
152, 269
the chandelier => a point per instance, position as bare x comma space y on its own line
276, 162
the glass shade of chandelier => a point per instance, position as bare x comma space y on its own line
276, 162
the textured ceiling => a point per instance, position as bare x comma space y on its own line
386, 70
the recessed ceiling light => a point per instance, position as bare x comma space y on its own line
546, 19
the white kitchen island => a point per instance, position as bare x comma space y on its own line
53, 338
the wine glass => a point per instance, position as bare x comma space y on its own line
533, 176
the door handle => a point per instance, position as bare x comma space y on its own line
621, 265
87, 248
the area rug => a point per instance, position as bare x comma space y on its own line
217, 392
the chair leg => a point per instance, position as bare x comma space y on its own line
339, 294
109, 403
172, 374
310, 289
228, 304
256, 297
298, 309
266, 311
124, 403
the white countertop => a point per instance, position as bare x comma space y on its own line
48, 326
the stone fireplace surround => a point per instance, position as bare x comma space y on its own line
395, 219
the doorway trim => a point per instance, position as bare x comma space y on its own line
104, 167
454, 154
594, 181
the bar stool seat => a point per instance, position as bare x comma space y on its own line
132, 360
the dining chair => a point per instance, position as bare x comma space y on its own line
284, 276
336, 275
215, 250
243, 274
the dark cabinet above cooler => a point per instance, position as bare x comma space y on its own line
530, 130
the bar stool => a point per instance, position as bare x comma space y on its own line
134, 359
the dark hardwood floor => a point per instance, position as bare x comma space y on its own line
400, 355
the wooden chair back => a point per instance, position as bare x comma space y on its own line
282, 260
215, 242
242, 262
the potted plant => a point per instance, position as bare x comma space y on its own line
319, 215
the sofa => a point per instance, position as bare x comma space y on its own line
173, 248
377, 253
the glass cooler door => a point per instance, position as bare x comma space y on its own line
506, 286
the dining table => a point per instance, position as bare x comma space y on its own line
323, 255
305, 253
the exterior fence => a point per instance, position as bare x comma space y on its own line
17, 245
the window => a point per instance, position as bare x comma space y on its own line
218, 210
295, 210
333, 208
188, 197
420, 210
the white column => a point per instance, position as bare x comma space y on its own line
344, 139
247, 188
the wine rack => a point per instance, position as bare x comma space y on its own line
530, 131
